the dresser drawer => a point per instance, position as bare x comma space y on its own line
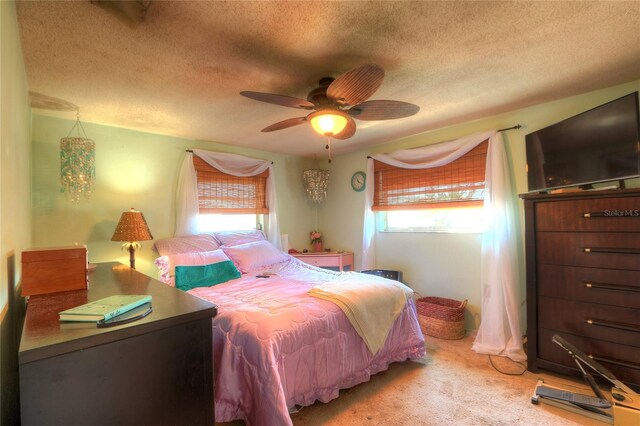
331, 259
623, 361
592, 320
320, 261
595, 250
607, 286
603, 215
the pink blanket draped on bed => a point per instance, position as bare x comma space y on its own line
276, 347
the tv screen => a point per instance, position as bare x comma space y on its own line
598, 145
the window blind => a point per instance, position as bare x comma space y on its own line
219, 192
457, 184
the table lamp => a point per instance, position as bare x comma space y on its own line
132, 228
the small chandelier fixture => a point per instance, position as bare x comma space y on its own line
316, 182
77, 163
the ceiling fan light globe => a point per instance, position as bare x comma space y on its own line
328, 123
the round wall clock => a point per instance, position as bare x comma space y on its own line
358, 181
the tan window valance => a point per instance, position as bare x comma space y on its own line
219, 192
457, 184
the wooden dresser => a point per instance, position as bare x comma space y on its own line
157, 370
583, 280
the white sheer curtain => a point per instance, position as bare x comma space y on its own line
369, 228
233, 164
499, 332
187, 199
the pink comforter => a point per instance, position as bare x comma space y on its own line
276, 347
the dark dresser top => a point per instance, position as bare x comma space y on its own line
44, 335
571, 195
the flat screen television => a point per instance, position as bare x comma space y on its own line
599, 145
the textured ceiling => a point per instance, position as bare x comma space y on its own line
180, 70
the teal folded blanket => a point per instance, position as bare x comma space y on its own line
188, 277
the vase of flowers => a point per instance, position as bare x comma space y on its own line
316, 240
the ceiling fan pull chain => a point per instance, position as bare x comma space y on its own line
328, 146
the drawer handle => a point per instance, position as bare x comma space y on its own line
593, 214
616, 362
612, 213
615, 287
619, 250
614, 324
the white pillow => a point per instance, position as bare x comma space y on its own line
234, 238
187, 244
255, 255
167, 264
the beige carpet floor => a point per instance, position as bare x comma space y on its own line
451, 385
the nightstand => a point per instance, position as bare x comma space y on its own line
157, 370
328, 259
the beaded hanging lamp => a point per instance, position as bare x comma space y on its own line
77, 164
316, 182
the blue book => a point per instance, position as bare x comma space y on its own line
105, 309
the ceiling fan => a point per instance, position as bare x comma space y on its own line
336, 102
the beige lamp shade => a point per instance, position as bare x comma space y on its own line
132, 227
328, 122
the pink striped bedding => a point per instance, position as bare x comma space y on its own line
276, 347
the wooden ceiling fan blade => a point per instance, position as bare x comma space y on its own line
282, 100
383, 110
357, 85
348, 131
130, 12
290, 122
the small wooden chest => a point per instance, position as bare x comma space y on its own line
53, 269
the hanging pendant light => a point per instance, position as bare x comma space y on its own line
316, 182
77, 164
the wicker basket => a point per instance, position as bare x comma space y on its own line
441, 318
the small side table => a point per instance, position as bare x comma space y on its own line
328, 259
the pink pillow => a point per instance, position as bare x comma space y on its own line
187, 244
234, 238
167, 264
255, 255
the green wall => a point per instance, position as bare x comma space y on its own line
136, 169
436, 264
15, 223
140, 170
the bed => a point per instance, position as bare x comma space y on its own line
276, 347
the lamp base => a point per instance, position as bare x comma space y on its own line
132, 257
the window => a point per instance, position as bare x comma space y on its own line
457, 219
448, 198
227, 202
228, 222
